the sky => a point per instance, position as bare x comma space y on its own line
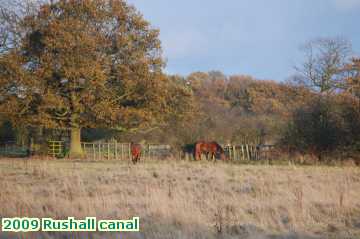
260, 38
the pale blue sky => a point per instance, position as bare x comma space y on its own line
254, 37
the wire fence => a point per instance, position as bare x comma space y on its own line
243, 152
11, 149
122, 151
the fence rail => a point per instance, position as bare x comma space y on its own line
249, 152
13, 150
244, 152
122, 151
56, 148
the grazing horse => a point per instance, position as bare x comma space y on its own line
212, 148
135, 152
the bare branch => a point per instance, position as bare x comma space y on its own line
324, 60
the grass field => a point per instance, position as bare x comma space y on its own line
178, 199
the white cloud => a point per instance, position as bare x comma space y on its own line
347, 4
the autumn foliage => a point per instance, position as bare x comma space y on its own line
83, 64
95, 67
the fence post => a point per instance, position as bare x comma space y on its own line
253, 149
94, 151
234, 153
242, 152
122, 151
255, 152
83, 146
252, 152
247, 152
100, 151
129, 151
229, 148
116, 153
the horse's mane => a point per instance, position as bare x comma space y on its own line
218, 146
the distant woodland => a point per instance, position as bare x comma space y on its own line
117, 89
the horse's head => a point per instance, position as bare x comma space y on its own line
220, 152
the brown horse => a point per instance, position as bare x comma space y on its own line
208, 148
135, 152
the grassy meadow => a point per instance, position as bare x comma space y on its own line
180, 199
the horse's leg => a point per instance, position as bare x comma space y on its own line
196, 154
200, 156
213, 157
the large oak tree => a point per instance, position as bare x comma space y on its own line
81, 63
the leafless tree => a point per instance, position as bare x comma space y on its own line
11, 12
324, 60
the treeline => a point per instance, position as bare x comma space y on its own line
240, 109
85, 70
315, 112
210, 106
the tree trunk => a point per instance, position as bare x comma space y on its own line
75, 143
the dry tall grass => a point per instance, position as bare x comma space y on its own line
177, 199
